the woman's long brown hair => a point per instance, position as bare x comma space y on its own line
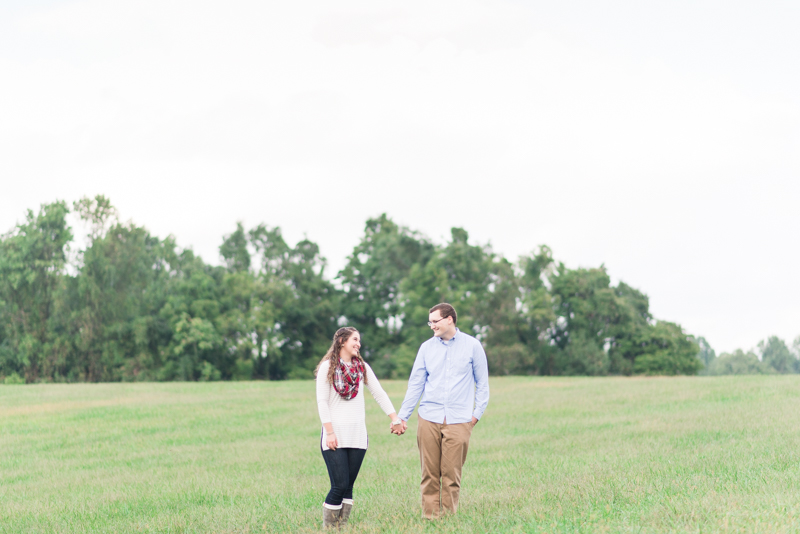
339, 339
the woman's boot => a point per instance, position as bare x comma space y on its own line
347, 506
330, 517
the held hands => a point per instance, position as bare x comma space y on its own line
399, 429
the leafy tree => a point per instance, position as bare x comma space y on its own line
581, 356
98, 212
739, 363
632, 330
194, 336
519, 338
584, 302
234, 250
371, 282
278, 316
194, 297
668, 351
247, 323
505, 328
777, 355
588, 310
114, 302
706, 354
593, 318
308, 320
796, 352
32, 261
537, 306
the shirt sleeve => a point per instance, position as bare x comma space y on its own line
323, 393
416, 385
480, 371
377, 391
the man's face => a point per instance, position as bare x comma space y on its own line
438, 325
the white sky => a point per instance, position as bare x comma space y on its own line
658, 138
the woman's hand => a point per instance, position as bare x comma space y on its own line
331, 441
398, 428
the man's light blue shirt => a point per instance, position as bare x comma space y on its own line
452, 377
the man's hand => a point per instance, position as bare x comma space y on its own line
474, 421
398, 429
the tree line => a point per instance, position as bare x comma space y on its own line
771, 356
130, 306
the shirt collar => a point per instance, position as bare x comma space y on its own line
443, 342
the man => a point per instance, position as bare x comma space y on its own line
452, 377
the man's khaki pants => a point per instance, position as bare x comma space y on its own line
442, 453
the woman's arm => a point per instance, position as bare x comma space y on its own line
330, 437
323, 393
374, 386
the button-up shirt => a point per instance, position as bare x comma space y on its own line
452, 377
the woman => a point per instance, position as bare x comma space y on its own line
340, 399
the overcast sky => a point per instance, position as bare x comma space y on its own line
658, 138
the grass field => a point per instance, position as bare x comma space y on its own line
551, 455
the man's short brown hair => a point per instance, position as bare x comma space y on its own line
445, 310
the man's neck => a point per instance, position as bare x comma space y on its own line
448, 336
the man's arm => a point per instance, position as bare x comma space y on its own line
416, 385
480, 372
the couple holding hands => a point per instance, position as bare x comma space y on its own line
451, 376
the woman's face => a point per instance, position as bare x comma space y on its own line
352, 345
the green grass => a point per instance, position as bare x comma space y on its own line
551, 455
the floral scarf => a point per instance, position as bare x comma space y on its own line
346, 379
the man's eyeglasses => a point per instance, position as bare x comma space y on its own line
431, 323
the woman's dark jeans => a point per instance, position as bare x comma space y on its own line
343, 466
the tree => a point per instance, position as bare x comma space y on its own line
739, 363
505, 327
668, 350
32, 261
280, 315
519, 337
371, 283
97, 212
114, 304
796, 352
584, 302
537, 306
629, 336
194, 336
234, 250
777, 355
706, 354
308, 320
581, 356
594, 317
247, 323
588, 310
195, 300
